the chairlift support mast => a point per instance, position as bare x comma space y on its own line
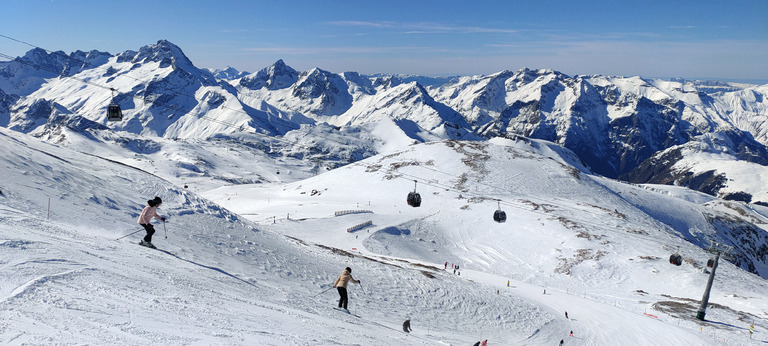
717, 249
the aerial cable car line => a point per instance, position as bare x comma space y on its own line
82, 62
142, 98
603, 228
517, 205
87, 64
167, 106
478, 195
36, 66
19, 41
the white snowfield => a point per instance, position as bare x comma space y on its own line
254, 264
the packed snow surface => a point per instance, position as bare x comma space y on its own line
254, 264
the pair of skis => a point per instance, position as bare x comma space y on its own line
147, 244
347, 312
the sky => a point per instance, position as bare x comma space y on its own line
703, 39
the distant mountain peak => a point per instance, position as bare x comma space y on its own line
277, 76
54, 62
229, 73
279, 64
35, 53
165, 52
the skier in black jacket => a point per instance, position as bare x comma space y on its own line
407, 326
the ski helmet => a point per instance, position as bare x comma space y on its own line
349, 270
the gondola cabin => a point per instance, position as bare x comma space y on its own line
414, 199
710, 263
499, 216
114, 113
676, 259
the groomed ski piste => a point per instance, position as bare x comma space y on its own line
254, 264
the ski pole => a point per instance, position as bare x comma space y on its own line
129, 234
326, 290
361, 287
165, 230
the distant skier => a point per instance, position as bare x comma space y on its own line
485, 343
407, 326
566, 315
571, 333
145, 218
561, 342
477, 344
341, 286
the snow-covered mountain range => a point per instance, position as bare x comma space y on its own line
639, 130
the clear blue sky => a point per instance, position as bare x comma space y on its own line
725, 39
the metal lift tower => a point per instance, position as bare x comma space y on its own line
717, 249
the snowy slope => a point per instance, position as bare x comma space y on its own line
227, 280
582, 235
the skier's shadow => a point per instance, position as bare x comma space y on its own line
209, 267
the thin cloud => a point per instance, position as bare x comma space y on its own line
339, 50
424, 28
440, 29
376, 24
230, 31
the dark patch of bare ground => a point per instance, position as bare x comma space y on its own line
565, 264
686, 309
425, 270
